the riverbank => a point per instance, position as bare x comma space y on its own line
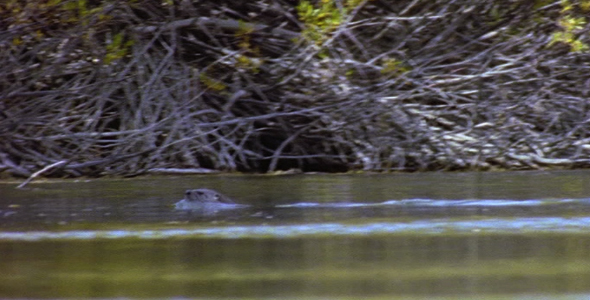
100, 89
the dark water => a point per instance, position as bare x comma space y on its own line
513, 235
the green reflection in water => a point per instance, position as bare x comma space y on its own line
329, 266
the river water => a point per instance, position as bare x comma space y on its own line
495, 235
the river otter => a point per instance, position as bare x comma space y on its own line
206, 199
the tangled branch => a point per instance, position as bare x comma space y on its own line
235, 85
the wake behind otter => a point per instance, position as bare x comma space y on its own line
211, 202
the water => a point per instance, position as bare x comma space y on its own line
513, 235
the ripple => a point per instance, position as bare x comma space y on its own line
327, 205
486, 202
442, 203
495, 225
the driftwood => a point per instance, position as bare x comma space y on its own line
235, 85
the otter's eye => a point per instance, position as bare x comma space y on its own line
216, 197
187, 193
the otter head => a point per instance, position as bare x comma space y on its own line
206, 196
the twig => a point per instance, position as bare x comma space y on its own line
56, 164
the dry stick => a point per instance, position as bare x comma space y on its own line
279, 150
56, 164
222, 23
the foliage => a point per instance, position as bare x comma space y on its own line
49, 14
117, 48
41, 21
247, 59
571, 25
394, 66
212, 83
322, 20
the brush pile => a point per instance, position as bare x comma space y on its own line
128, 87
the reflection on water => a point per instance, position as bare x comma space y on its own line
298, 267
410, 236
504, 226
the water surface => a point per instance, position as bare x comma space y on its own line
510, 235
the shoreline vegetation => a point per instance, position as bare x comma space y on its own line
125, 88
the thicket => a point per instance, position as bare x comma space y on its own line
96, 88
